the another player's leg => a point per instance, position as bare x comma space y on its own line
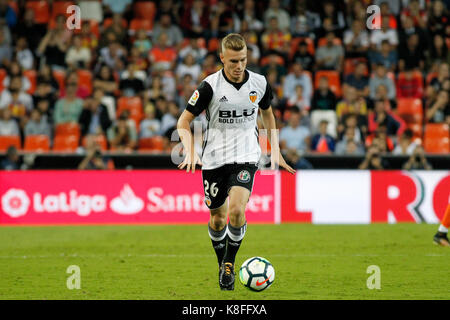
236, 228
440, 237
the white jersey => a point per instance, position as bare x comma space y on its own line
231, 111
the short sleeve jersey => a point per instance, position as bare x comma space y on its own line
231, 111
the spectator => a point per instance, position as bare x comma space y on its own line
303, 57
122, 136
380, 77
29, 29
408, 30
14, 98
112, 55
8, 13
69, 107
274, 65
78, 57
193, 49
438, 18
386, 56
188, 66
221, 20
94, 118
8, 126
330, 56
299, 100
130, 85
23, 55
275, 40
210, 65
380, 117
380, 139
248, 16
324, 98
105, 80
303, 22
195, 20
93, 160
417, 160
295, 141
373, 160
88, 37
357, 122
37, 125
322, 142
436, 83
81, 91
165, 25
116, 32
409, 86
414, 11
358, 80
15, 70
411, 56
438, 54
150, 126
162, 56
349, 145
385, 33
439, 110
6, 51
335, 15
351, 103
12, 160
281, 15
51, 86
406, 145
169, 119
297, 77
356, 40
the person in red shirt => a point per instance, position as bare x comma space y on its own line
409, 85
162, 57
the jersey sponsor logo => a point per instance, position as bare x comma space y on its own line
253, 95
194, 98
243, 176
234, 116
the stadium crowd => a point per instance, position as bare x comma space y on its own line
343, 82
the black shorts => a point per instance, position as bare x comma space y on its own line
218, 182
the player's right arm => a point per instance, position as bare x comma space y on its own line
185, 133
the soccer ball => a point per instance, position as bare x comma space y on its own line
257, 274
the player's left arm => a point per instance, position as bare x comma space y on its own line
269, 123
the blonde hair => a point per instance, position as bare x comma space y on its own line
233, 41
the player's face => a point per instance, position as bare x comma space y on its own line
234, 63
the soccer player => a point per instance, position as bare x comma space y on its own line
231, 97
440, 237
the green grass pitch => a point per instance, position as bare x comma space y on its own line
178, 262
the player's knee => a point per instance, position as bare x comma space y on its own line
236, 211
218, 222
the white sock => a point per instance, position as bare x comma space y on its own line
443, 229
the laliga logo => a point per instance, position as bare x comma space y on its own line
15, 203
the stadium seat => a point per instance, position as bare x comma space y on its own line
201, 42
410, 110
323, 41
41, 11
67, 129
7, 141
60, 77
39, 142
137, 24
145, 10
329, 115
31, 75
60, 8
3, 75
437, 138
333, 80
213, 44
99, 139
132, 104
296, 41
155, 143
108, 21
417, 129
65, 143
350, 65
265, 60
85, 80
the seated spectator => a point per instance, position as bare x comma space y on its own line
275, 40
304, 22
88, 38
248, 17
438, 53
330, 56
322, 142
380, 138
155, 90
351, 104
385, 33
23, 54
122, 136
437, 19
380, 117
299, 100
297, 77
136, 58
303, 57
276, 11
46, 108
14, 98
436, 83
77, 56
380, 77
439, 110
295, 141
112, 54
150, 126
69, 107
105, 80
6, 50
169, 119
188, 66
358, 80
195, 21
336, 16
385, 10
414, 11
409, 29
94, 118
411, 56
409, 86
130, 84
348, 144
50, 86
381, 93
29, 29
142, 42
386, 56
221, 20
210, 65
323, 98
116, 28
12, 159
356, 122
37, 125
173, 31
417, 160
356, 40
273, 64
406, 145
193, 49
162, 56
15, 70
72, 79
8, 126
373, 160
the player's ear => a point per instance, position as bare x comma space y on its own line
221, 57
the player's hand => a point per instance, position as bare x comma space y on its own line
190, 162
281, 162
